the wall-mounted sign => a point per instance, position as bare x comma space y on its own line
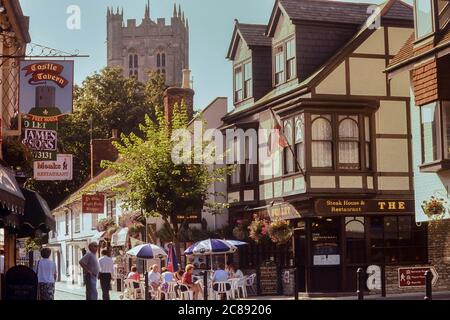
327, 260
359, 206
61, 169
93, 203
46, 87
269, 279
283, 212
40, 135
415, 277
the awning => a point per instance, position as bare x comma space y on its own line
98, 236
11, 198
37, 214
119, 238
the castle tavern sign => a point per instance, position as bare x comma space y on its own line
361, 206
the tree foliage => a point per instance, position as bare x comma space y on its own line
156, 185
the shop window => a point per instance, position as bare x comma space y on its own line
325, 241
397, 240
322, 142
355, 239
424, 17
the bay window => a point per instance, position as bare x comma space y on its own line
300, 140
348, 144
424, 17
289, 165
321, 141
249, 164
430, 120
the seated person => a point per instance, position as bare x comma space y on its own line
178, 276
187, 280
235, 272
220, 274
154, 277
135, 276
167, 277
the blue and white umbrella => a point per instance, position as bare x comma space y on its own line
237, 243
148, 251
210, 247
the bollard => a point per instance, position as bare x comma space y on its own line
360, 283
295, 284
147, 291
205, 285
428, 285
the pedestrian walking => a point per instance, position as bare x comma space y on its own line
91, 267
106, 273
46, 273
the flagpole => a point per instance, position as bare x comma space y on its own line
289, 145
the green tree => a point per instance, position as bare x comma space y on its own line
110, 101
156, 185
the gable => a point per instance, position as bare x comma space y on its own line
284, 28
375, 44
242, 51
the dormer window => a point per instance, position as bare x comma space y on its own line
424, 18
290, 60
248, 92
279, 65
238, 90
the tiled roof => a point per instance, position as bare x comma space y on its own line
400, 11
407, 51
254, 34
326, 11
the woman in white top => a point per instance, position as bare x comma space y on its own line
46, 273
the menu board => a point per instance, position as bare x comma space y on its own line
269, 279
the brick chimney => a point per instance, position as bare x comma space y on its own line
175, 95
103, 149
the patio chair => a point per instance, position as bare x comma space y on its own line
249, 283
184, 293
223, 288
240, 288
171, 293
133, 290
234, 287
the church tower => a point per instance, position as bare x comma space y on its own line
150, 45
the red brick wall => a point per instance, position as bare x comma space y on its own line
177, 95
101, 149
425, 83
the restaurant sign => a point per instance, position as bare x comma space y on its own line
361, 206
93, 203
61, 169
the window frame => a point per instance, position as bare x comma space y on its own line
247, 89
341, 140
247, 80
279, 51
238, 89
66, 223
434, 20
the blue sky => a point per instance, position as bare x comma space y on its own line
211, 25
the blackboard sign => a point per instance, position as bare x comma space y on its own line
269, 279
20, 284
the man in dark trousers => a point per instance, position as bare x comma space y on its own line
106, 273
90, 265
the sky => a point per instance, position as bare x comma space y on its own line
211, 25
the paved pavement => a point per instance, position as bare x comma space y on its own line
66, 291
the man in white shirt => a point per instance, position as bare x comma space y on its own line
154, 277
46, 274
220, 274
106, 273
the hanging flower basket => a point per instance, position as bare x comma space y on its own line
107, 225
280, 231
240, 231
258, 229
434, 207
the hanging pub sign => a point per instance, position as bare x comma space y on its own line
46, 87
40, 135
93, 203
58, 170
359, 206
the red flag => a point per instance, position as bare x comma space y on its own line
276, 137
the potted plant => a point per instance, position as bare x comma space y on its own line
280, 231
258, 229
434, 207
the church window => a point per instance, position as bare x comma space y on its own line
158, 60
163, 60
136, 61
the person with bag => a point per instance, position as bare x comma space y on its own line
47, 275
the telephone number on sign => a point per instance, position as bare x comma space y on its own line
44, 155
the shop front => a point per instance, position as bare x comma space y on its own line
342, 235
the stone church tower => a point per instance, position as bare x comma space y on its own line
149, 46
